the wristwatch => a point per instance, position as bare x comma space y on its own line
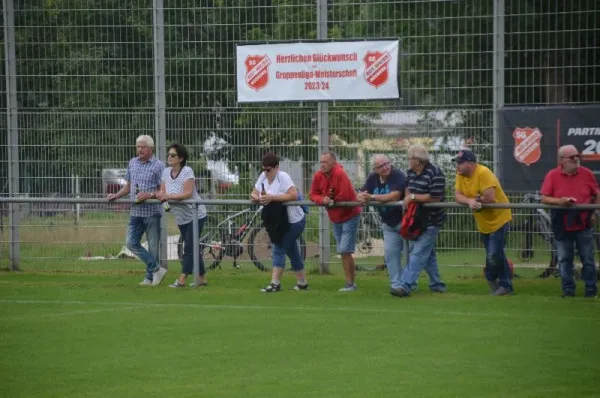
412, 196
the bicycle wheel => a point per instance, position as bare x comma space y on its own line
364, 241
209, 245
210, 249
260, 239
368, 230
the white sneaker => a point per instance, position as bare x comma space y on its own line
158, 276
146, 282
348, 288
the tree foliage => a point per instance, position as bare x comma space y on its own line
86, 71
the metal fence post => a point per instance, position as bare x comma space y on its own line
323, 127
12, 124
498, 75
196, 250
160, 118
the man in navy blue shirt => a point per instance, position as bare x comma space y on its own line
387, 184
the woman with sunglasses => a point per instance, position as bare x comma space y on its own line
274, 185
178, 183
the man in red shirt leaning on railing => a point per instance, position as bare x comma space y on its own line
329, 185
567, 185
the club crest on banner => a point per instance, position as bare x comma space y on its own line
528, 148
257, 71
377, 67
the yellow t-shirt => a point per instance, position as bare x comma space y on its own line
488, 220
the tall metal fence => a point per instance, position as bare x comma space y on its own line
82, 79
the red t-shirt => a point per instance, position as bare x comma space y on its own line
581, 185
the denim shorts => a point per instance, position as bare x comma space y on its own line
345, 235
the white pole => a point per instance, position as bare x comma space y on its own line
78, 196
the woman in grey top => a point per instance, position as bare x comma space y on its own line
178, 182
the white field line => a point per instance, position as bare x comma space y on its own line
451, 314
71, 313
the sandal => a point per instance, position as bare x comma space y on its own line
176, 285
271, 288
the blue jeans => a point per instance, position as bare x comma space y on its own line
392, 253
345, 235
584, 241
136, 228
423, 257
187, 263
291, 247
497, 268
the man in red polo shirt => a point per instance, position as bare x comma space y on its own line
570, 184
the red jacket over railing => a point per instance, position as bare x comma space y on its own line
343, 191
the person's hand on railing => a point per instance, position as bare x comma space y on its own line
363, 197
567, 201
162, 196
265, 199
474, 204
142, 196
112, 196
405, 202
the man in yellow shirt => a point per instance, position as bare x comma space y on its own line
476, 184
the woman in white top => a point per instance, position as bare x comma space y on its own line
279, 187
178, 182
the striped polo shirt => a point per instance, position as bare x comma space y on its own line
431, 181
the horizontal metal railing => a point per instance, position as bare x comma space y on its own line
232, 202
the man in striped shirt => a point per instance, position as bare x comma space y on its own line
144, 175
426, 184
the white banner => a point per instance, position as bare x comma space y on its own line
330, 71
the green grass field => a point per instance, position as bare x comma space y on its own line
90, 330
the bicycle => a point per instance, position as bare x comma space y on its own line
369, 229
538, 221
224, 239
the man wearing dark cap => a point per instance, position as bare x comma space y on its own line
476, 184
